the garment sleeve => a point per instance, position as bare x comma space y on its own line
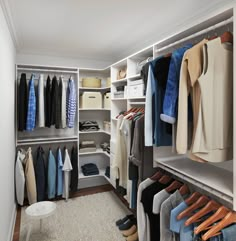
148, 112
182, 125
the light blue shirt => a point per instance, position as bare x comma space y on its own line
51, 175
59, 173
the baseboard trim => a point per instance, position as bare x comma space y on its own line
12, 224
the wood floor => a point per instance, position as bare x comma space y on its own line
82, 192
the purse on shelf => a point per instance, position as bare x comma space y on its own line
121, 74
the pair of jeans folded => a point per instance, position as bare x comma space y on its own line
90, 169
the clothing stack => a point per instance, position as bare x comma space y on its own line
53, 104
119, 93
45, 178
105, 147
88, 126
90, 169
128, 227
87, 146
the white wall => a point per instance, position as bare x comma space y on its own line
60, 61
7, 138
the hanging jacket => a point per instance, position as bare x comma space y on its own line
59, 105
22, 113
31, 111
59, 173
41, 104
48, 103
74, 172
20, 177
71, 103
30, 177
40, 174
54, 100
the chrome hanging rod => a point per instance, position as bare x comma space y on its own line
197, 34
48, 70
29, 143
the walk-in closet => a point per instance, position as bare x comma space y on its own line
117, 121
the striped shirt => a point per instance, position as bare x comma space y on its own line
31, 113
71, 103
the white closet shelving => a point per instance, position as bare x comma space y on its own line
99, 157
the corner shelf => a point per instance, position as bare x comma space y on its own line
98, 151
95, 132
114, 82
94, 109
94, 89
134, 76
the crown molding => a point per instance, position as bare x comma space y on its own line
8, 16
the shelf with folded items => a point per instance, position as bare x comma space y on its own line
98, 151
95, 132
101, 174
211, 178
119, 81
94, 109
94, 89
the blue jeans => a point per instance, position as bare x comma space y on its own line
170, 103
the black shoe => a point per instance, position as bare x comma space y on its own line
128, 224
123, 220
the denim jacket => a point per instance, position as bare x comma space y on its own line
172, 87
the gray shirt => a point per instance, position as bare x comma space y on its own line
170, 203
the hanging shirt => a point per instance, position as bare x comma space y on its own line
41, 104
74, 172
20, 178
59, 105
67, 167
48, 103
59, 173
63, 104
51, 175
71, 103
30, 177
31, 112
54, 100
40, 175
142, 217
22, 113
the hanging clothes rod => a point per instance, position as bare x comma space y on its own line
48, 70
204, 31
46, 142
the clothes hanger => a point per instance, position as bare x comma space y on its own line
203, 200
184, 190
193, 198
226, 37
156, 176
218, 215
165, 179
211, 206
229, 219
174, 186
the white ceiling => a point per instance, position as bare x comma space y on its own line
106, 29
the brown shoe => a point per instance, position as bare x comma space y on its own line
133, 237
130, 231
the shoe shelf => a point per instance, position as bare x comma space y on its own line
98, 151
95, 132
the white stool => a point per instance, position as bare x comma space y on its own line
39, 211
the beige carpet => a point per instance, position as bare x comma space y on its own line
87, 218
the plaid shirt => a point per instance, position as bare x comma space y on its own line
71, 104
31, 113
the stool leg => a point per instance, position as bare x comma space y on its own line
41, 225
29, 232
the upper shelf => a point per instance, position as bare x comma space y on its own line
94, 89
94, 109
119, 81
213, 179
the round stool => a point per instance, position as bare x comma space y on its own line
39, 211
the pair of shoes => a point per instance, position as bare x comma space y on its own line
128, 224
123, 220
133, 237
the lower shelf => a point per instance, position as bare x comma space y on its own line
206, 176
101, 174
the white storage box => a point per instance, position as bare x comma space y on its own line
92, 100
107, 101
136, 88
